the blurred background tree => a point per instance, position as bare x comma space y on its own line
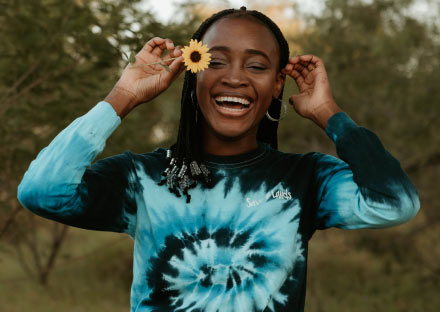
384, 67
58, 58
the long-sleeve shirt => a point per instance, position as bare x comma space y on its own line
240, 245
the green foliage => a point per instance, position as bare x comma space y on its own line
384, 69
60, 57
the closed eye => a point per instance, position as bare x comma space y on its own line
257, 67
215, 64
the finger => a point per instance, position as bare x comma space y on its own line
169, 44
158, 49
318, 66
287, 69
152, 43
294, 60
306, 60
309, 72
317, 63
300, 74
296, 75
293, 72
157, 45
177, 67
302, 69
297, 60
311, 59
293, 99
303, 83
309, 66
176, 52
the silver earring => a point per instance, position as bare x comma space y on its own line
281, 117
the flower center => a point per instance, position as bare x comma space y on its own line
195, 56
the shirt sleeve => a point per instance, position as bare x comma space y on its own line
367, 188
61, 185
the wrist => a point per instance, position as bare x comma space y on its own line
122, 100
323, 113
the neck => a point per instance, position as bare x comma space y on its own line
215, 144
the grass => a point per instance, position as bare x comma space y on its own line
346, 279
93, 273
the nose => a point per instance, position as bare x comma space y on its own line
235, 77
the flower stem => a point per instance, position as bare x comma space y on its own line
155, 63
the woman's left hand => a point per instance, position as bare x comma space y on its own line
315, 100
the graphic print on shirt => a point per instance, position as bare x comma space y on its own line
250, 202
223, 258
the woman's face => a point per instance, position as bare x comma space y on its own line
236, 90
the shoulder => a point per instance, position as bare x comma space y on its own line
151, 163
158, 155
309, 158
314, 163
323, 159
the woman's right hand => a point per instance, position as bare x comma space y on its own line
139, 83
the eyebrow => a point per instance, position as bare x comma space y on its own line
248, 51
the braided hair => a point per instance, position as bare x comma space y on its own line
185, 158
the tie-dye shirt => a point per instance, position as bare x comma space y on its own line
238, 246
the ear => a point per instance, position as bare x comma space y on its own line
279, 84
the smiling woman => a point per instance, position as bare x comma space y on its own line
238, 238
236, 91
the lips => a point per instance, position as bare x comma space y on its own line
232, 99
232, 103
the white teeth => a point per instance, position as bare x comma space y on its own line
232, 109
232, 99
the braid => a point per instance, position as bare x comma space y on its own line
188, 149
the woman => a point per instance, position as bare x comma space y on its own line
237, 240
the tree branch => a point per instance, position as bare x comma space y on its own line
58, 238
10, 219
32, 85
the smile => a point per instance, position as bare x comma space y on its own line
232, 103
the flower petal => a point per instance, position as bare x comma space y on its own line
204, 60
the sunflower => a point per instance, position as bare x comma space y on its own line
196, 56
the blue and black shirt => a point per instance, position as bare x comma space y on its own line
238, 246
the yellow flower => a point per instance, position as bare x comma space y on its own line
196, 56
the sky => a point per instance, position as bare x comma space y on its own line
165, 8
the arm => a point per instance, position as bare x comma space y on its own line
368, 188
61, 185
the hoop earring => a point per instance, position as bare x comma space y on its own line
281, 117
